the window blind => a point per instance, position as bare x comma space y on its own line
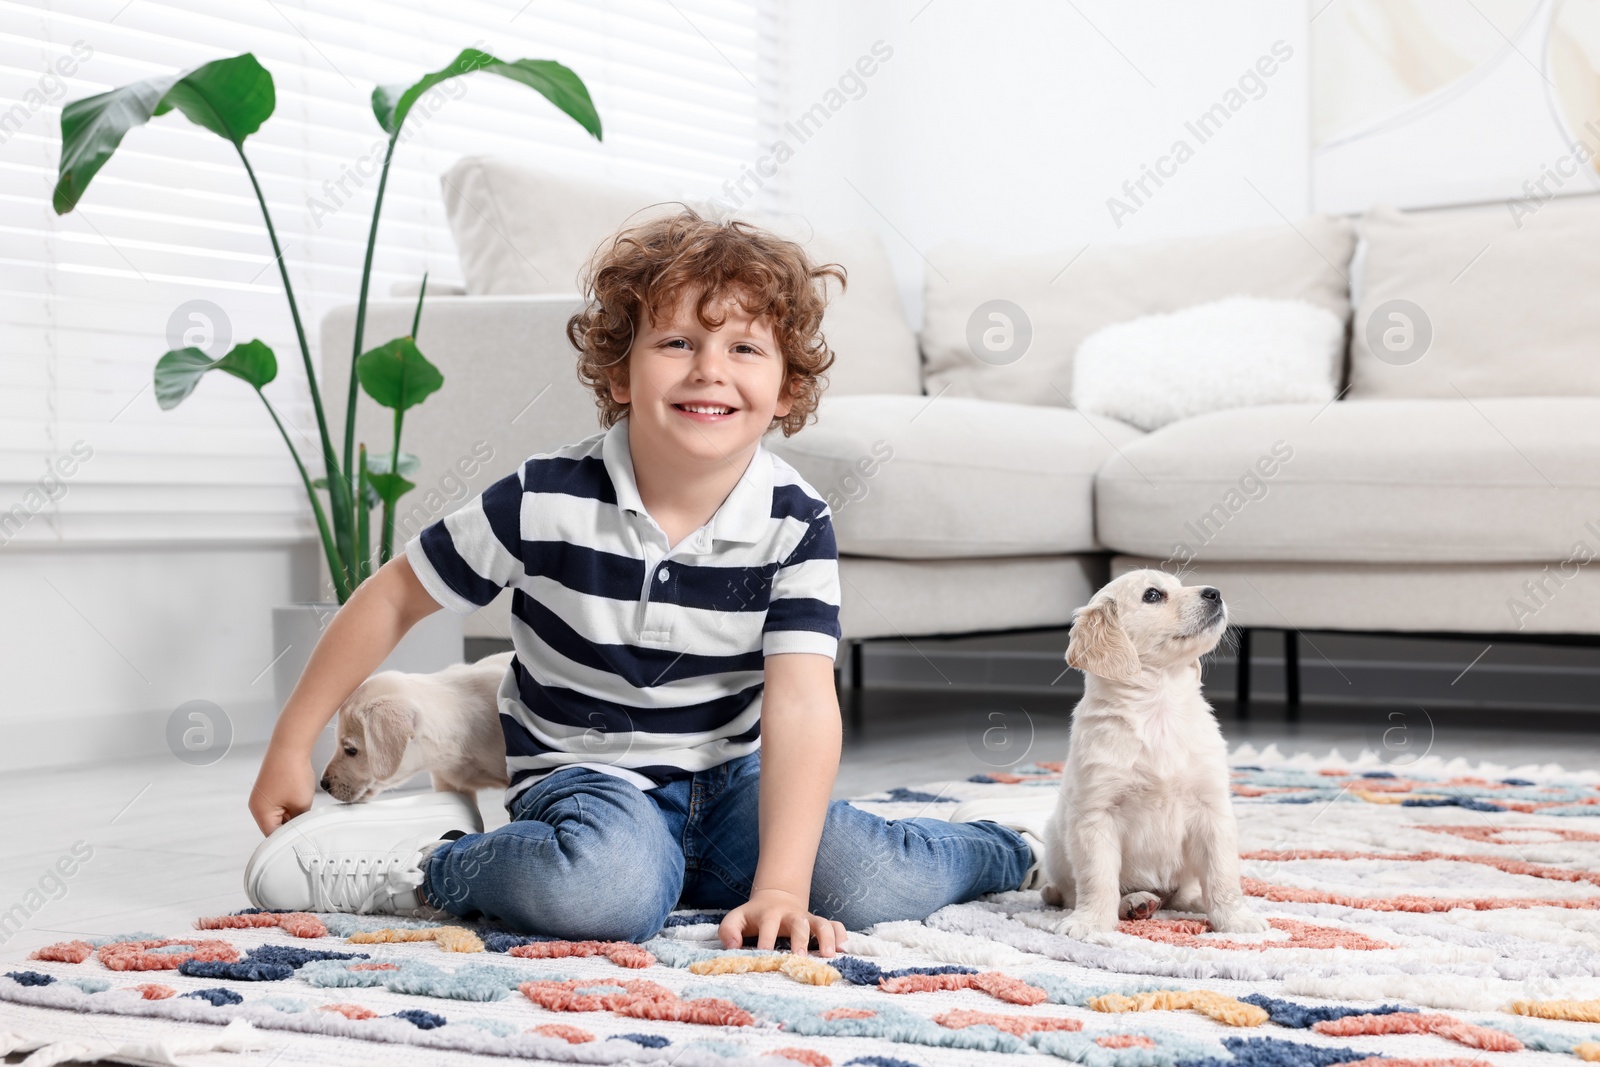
167, 247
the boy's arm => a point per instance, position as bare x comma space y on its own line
800, 739
362, 633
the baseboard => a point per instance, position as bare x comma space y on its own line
49, 743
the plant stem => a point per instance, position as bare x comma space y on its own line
341, 584
387, 545
363, 521
338, 490
416, 316
361, 302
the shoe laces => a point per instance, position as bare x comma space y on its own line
361, 884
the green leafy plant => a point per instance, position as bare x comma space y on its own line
232, 98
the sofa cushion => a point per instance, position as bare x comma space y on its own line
947, 477
1068, 295
1157, 369
1557, 596
906, 598
519, 231
1434, 481
1508, 298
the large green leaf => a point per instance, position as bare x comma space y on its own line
397, 374
392, 103
383, 486
377, 471
230, 97
179, 371
389, 487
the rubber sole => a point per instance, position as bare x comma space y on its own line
386, 819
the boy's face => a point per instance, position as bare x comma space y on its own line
710, 393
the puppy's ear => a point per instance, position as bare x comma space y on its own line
389, 730
1099, 645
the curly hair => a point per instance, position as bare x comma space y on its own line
647, 269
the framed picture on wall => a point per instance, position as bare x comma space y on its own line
1422, 103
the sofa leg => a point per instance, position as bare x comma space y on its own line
1291, 674
1242, 687
853, 697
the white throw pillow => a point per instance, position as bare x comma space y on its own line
1229, 353
1070, 292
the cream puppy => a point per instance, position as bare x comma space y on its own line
396, 725
1145, 818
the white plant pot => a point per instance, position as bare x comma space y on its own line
432, 645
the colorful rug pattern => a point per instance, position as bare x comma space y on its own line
1434, 914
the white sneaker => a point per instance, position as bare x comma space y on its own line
1027, 814
360, 858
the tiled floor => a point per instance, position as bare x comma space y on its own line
169, 841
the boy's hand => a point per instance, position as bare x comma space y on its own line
774, 913
283, 790
364, 631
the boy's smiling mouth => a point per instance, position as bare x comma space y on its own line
702, 412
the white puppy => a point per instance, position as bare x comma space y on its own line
396, 725
1145, 818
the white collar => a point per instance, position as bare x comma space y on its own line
745, 514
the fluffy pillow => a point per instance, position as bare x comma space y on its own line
1229, 353
1111, 283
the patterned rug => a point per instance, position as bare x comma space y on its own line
1433, 914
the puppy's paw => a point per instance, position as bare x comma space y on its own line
1188, 898
1241, 921
1081, 927
1139, 905
1052, 896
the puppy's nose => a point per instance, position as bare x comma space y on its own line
327, 784
1211, 593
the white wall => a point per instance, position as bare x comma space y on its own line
1011, 124
102, 644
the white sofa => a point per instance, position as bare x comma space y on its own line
1425, 500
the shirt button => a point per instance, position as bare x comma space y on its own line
662, 575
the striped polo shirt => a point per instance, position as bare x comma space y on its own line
632, 657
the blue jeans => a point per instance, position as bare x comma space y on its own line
588, 855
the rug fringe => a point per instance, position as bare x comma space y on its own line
1368, 760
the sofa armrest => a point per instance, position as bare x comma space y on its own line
510, 390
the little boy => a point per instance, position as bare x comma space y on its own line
672, 731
